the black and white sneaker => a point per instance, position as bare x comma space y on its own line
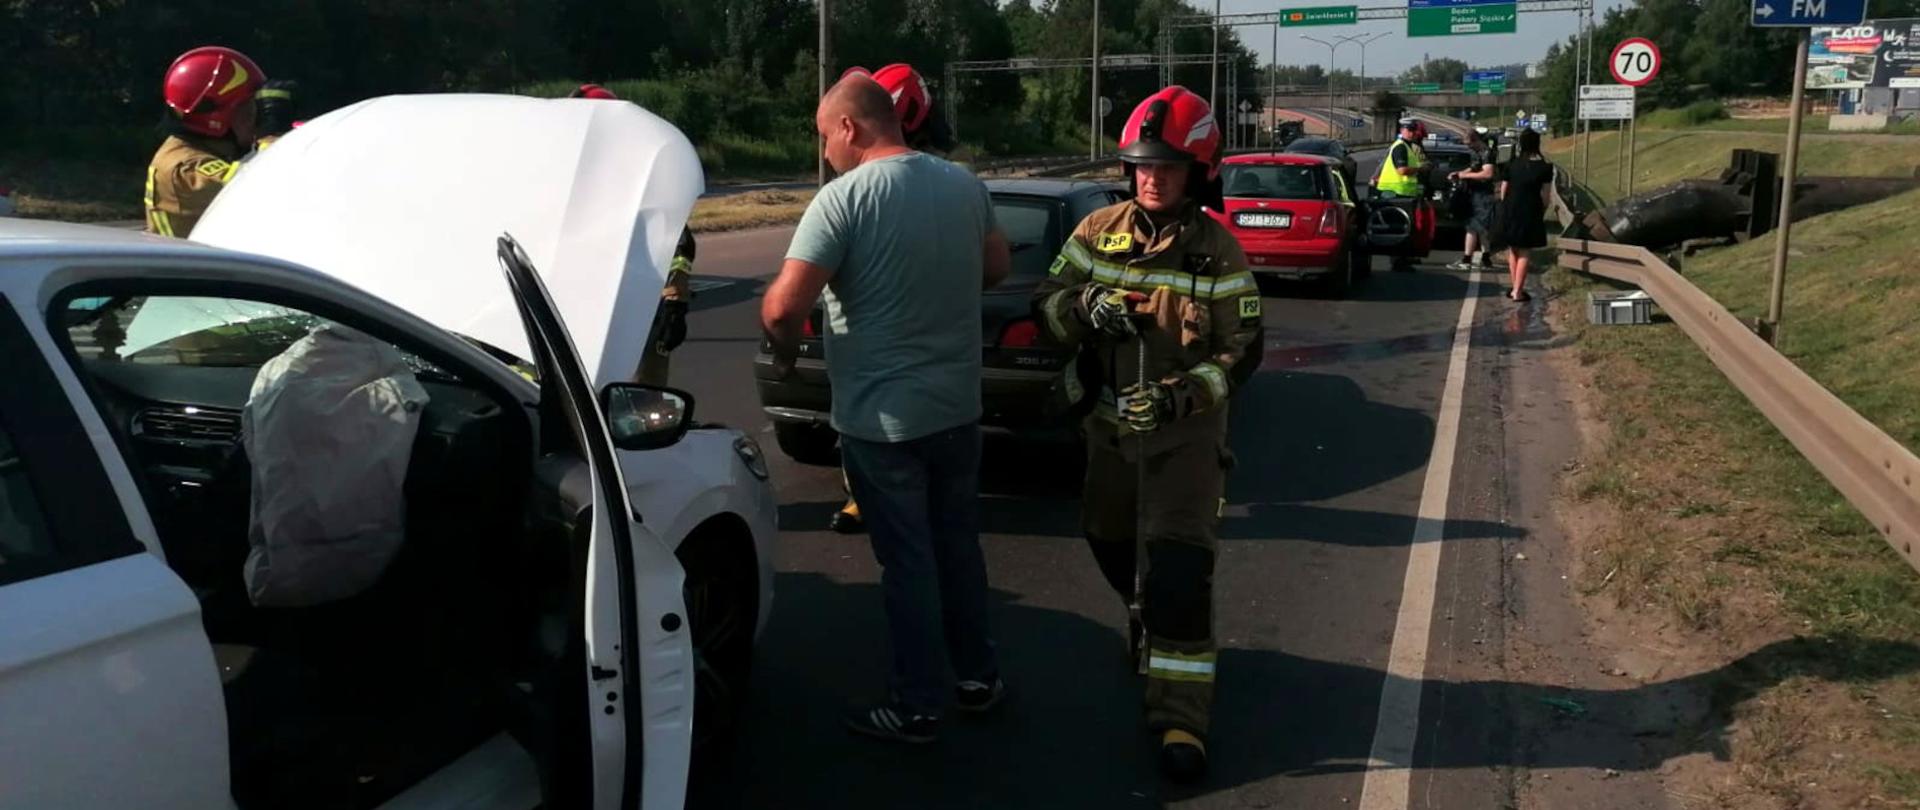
978, 697
896, 723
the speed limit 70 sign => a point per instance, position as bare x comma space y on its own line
1635, 61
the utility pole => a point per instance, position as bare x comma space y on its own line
820, 170
1093, 123
1776, 298
1213, 89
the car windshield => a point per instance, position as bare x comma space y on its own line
1450, 161
1032, 226
195, 331
1271, 182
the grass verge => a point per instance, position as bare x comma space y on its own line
752, 209
1731, 539
1663, 157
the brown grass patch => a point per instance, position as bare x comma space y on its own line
751, 209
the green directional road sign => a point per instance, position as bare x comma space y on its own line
1448, 20
1424, 87
1319, 15
1484, 82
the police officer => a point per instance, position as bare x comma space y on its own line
1403, 175
1159, 299
669, 328
926, 131
209, 94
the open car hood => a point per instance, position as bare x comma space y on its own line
405, 197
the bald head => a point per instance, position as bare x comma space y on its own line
856, 117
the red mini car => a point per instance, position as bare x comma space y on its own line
1295, 218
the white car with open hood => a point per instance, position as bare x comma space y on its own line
347, 503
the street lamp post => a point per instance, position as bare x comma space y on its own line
1093, 127
1332, 47
1273, 93
1213, 88
1363, 40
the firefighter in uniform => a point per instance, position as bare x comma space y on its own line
926, 131
669, 328
670, 323
1159, 300
1403, 175
275, 114
209, 94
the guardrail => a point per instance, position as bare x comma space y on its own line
1873, 471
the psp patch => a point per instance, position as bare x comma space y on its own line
218, 169
1249, 308
1114, 243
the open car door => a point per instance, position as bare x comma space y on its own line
639, 651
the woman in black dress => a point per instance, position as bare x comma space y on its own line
1525, 183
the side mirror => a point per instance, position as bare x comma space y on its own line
645, 417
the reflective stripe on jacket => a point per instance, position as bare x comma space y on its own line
1405, 183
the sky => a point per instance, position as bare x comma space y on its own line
1395, 52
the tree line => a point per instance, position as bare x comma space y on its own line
722, 69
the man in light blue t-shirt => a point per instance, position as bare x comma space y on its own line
902, 244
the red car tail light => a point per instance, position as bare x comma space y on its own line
807, 329
1023, 334
1330, 221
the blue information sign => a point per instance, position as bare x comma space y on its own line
1486, 76
1806, 13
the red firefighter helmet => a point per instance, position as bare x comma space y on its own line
1173, 126
912, 101
593, 91
205, 85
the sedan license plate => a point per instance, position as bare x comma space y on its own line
1261, 219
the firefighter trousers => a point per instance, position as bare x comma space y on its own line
1178, 505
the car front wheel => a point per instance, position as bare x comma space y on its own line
722, 596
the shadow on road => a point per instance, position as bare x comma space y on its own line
1317, 436
1070, 734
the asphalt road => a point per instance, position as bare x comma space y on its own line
1364, 591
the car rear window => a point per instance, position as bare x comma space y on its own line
1275, 182
1033, 230
1452, 161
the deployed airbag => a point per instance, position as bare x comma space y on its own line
329, 430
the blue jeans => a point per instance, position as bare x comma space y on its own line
920, 499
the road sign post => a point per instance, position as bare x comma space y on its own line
1634, 62
1439, 18
1776, 297
1802, 14
1600, 102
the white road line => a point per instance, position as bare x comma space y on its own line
1390, 765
